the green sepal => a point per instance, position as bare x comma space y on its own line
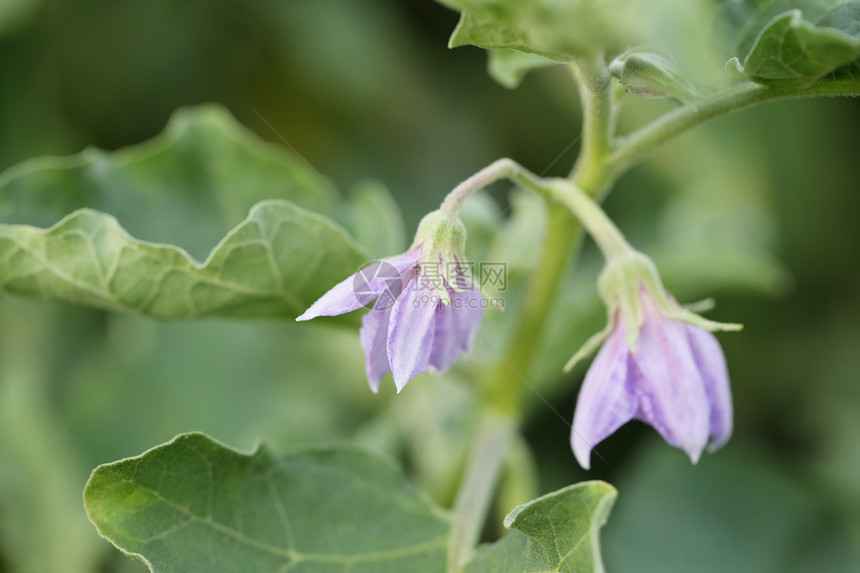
442, 239
647, 74
621, 283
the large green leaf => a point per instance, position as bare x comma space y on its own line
527, 35
556, 532
188, 187
558, 31
794, 42
275, 263
195, 505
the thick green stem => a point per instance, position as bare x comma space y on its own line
505, 382
598, 120
476, 491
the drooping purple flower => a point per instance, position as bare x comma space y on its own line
674, 379
659, 364
426, 311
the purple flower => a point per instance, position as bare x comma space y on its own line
673, 377
427, 309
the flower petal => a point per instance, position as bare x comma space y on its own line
361, 288
712, 366
455, 327
606, 401
373, 335
672, 398
410, 332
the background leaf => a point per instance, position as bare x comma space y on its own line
275, 263
202, 173
753, 505
557, 31
375, 220
195, 505
556, 532
795, 43
509, 67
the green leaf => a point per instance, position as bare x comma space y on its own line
195, 505
375, 220
509, 67
800, 45
557, 31
556, 532
188, 187
651, 75
275, 263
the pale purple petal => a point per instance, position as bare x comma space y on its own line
373, 335
455, 327
363, 287
410, 333
606, 401
672, 393
712, 366
339, 299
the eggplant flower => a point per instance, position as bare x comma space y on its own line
660, 364
427, 308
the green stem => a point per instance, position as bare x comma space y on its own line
476, 490
500, 169
598, 120
636, 146
599, 226
505, 382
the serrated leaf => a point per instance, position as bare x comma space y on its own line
193, 505
509, 67
556, 532
801, 43
275, 263
187, 187
650, 75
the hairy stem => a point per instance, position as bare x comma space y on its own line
636, 146
593, 219
499, 169
598, 119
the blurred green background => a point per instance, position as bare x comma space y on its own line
758, 210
